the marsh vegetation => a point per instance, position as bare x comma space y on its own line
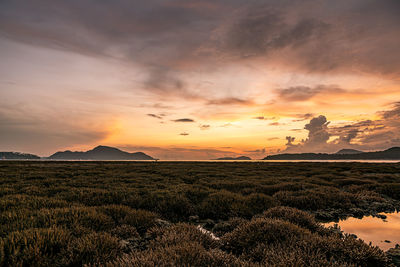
147, 213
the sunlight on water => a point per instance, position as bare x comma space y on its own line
374, 230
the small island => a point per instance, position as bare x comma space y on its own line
238, 158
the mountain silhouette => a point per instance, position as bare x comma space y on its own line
389, 154
349, 151
238, 158
100, 153
17, 155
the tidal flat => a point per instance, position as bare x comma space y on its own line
55, 213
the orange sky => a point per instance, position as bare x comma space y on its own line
197, 79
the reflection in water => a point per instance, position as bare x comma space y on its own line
374, 230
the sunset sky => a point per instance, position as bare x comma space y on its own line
199, 79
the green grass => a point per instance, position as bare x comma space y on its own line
141, 213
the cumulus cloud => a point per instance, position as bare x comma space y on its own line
317, 139
378, 134
317, 131
290, 140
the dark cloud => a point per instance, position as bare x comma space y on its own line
168, 38
349, 136
154, 116
160, 36
302, 93
259, 118
263, 29
274, 123
183, 120
303, 117
350, 129
307, 116
394, 113
184, 134
164, 82
314, 36
204, 127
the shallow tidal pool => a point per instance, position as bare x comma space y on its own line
384, 233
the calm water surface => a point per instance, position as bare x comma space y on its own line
374, 230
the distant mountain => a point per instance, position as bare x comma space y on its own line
100, 153
389, 154
349, 151
238, 158
17, 155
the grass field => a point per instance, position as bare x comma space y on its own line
147, 213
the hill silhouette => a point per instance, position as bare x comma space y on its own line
100, 153
389, 154
17, 155
349, 151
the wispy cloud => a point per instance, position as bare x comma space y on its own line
302, 93
204, 127
155, 116
230, 101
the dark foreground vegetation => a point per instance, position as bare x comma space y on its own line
147, 214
